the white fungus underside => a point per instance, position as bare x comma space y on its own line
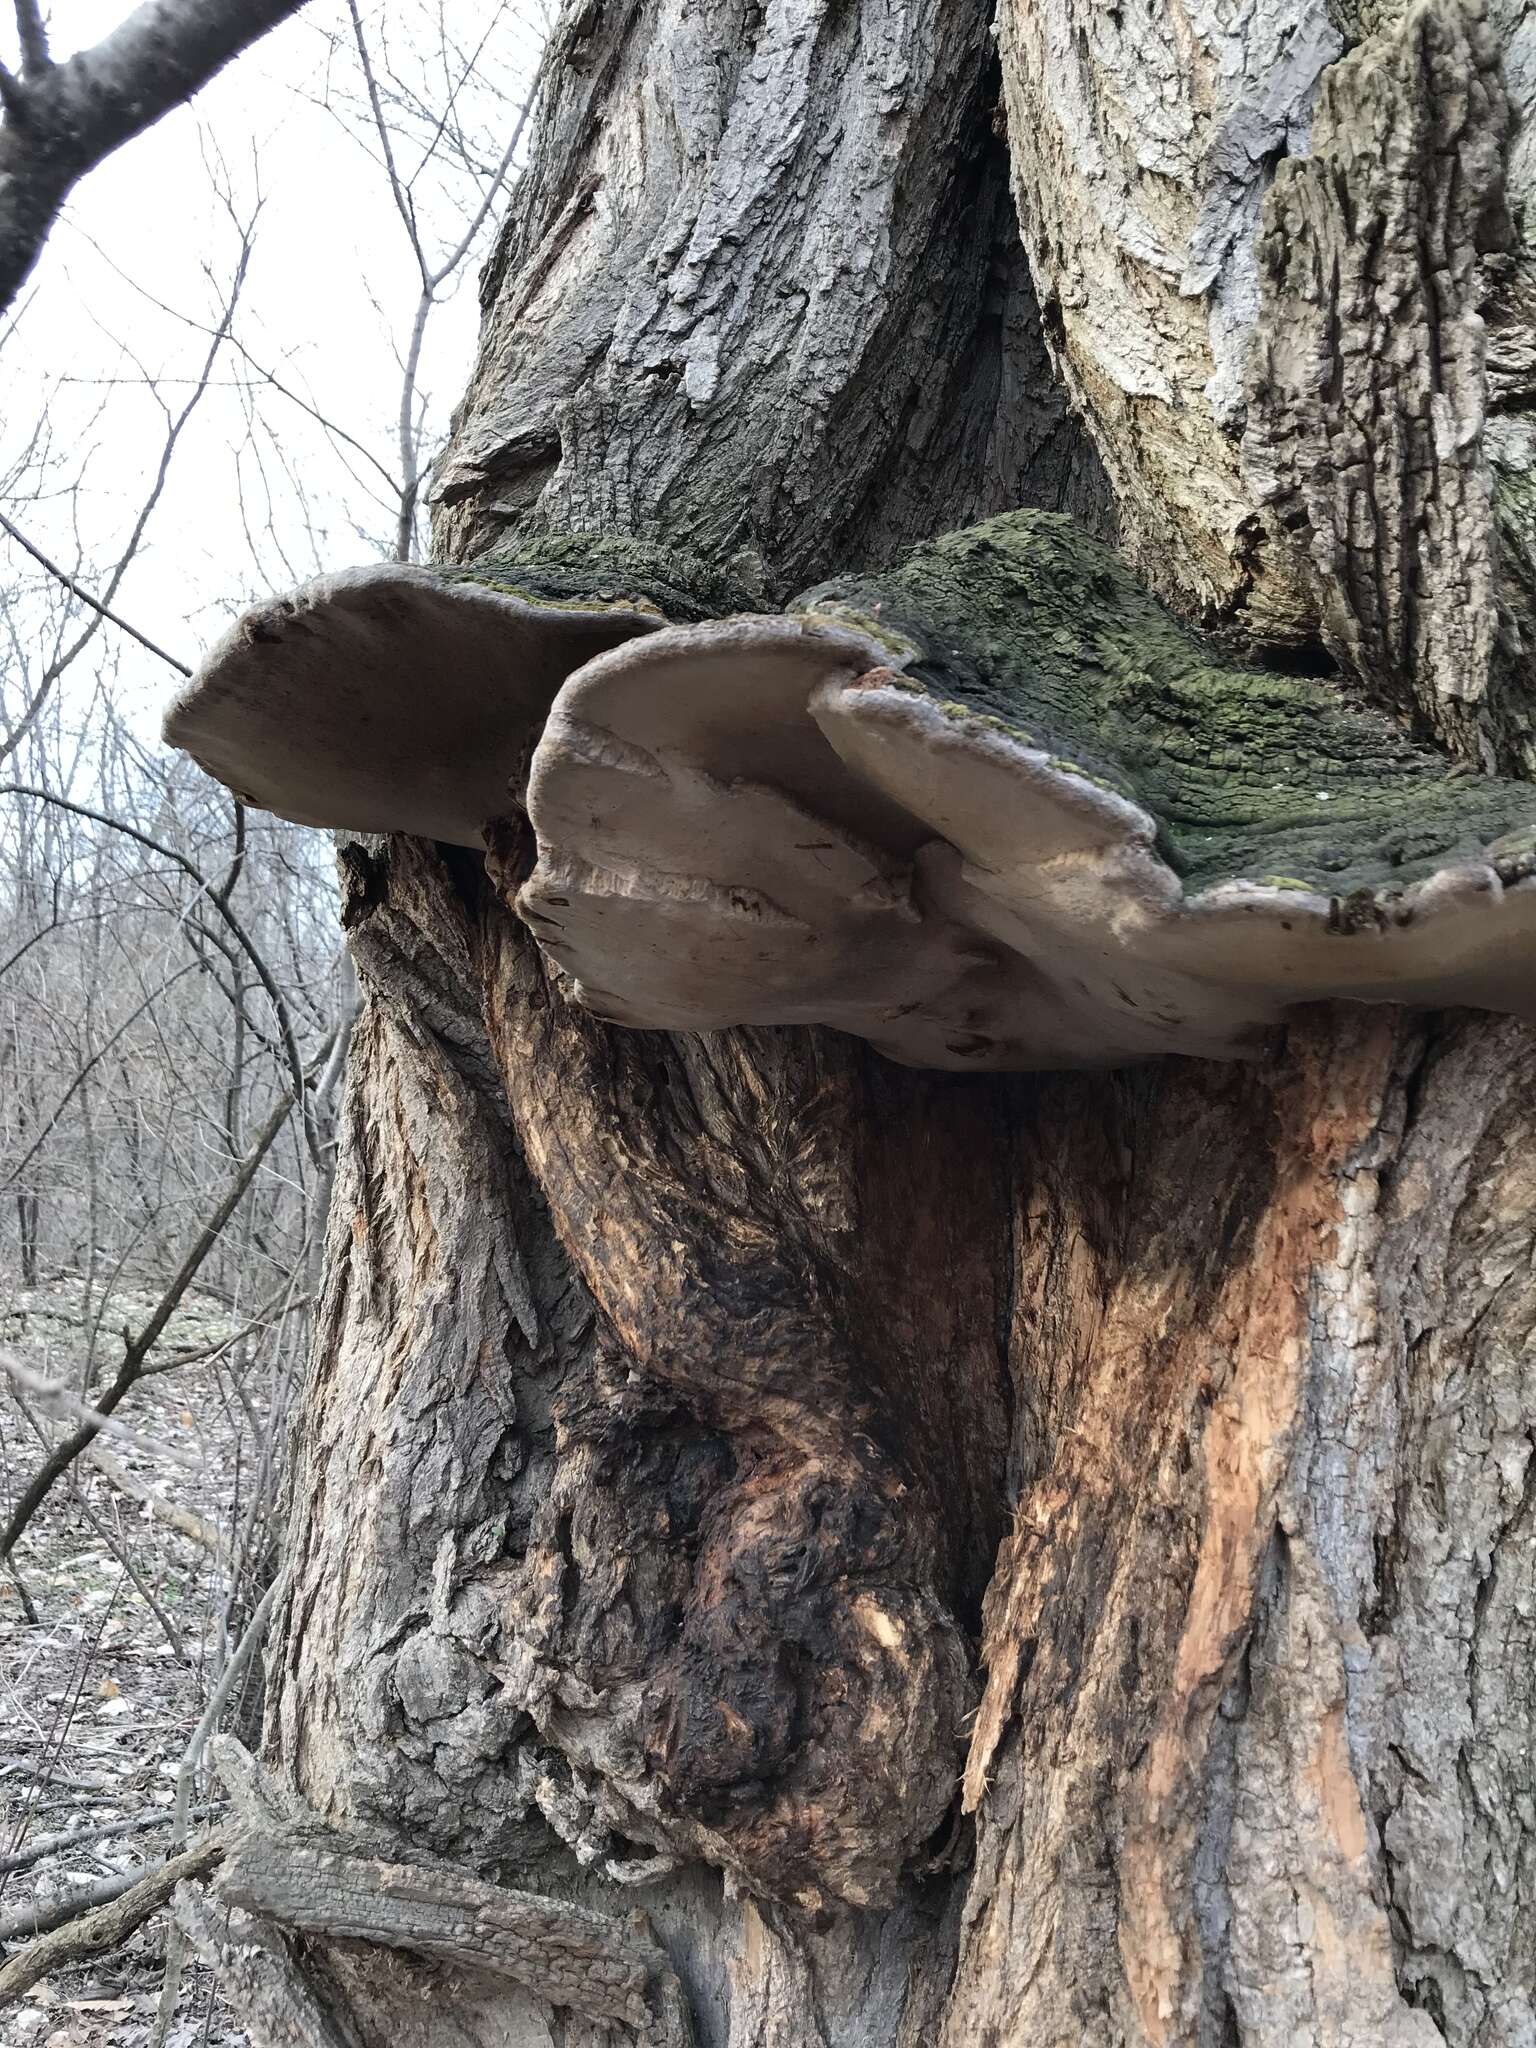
386, 699
734, 828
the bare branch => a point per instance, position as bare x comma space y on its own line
321, 419
213, 1713
33, 38
99, 1831
122, 1556
138, 1349
50, 1394
403, 205
63, 660
121, 1906
83, 1071
496, 181
237, 930
65, 120
85, 597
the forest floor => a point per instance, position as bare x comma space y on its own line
131, 1619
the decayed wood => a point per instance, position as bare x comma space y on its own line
1123, 1605
571, 1958
1220, 1511
283, 1866
277, 1999
509, 1649
1236, 1642
803, 1717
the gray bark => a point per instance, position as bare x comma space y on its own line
704, 1430
762, 295
1304, 352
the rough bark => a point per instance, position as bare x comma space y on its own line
702, 1429
1293, 299
1143, 138
762, 294
1369, 428
1248, 1765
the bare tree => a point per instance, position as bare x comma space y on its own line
745, 1440
976, 1557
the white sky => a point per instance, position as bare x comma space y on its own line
139, 266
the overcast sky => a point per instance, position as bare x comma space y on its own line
139, 267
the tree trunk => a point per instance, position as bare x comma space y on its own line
1003, 1560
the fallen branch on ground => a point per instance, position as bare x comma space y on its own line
160, 1509
102, 1831
98, 1930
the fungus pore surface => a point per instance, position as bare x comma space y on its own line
997, 808
402, 698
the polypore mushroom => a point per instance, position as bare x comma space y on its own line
398, 698
997, 808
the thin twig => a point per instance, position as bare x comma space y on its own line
237, 930
62, 662
280, 1298
213, 1713
123, 1559
79, 590
53, 1394
101, 1831
403, 206
82, 1072
139, 1347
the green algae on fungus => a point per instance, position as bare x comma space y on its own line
1026, 619
1059, 829
994, 807
596, 572
406, 698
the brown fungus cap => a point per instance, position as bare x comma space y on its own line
997, 809
400, 698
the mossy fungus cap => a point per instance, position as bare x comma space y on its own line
400, 698
998, 809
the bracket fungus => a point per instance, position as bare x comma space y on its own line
402, 698
994, 808
998, 809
